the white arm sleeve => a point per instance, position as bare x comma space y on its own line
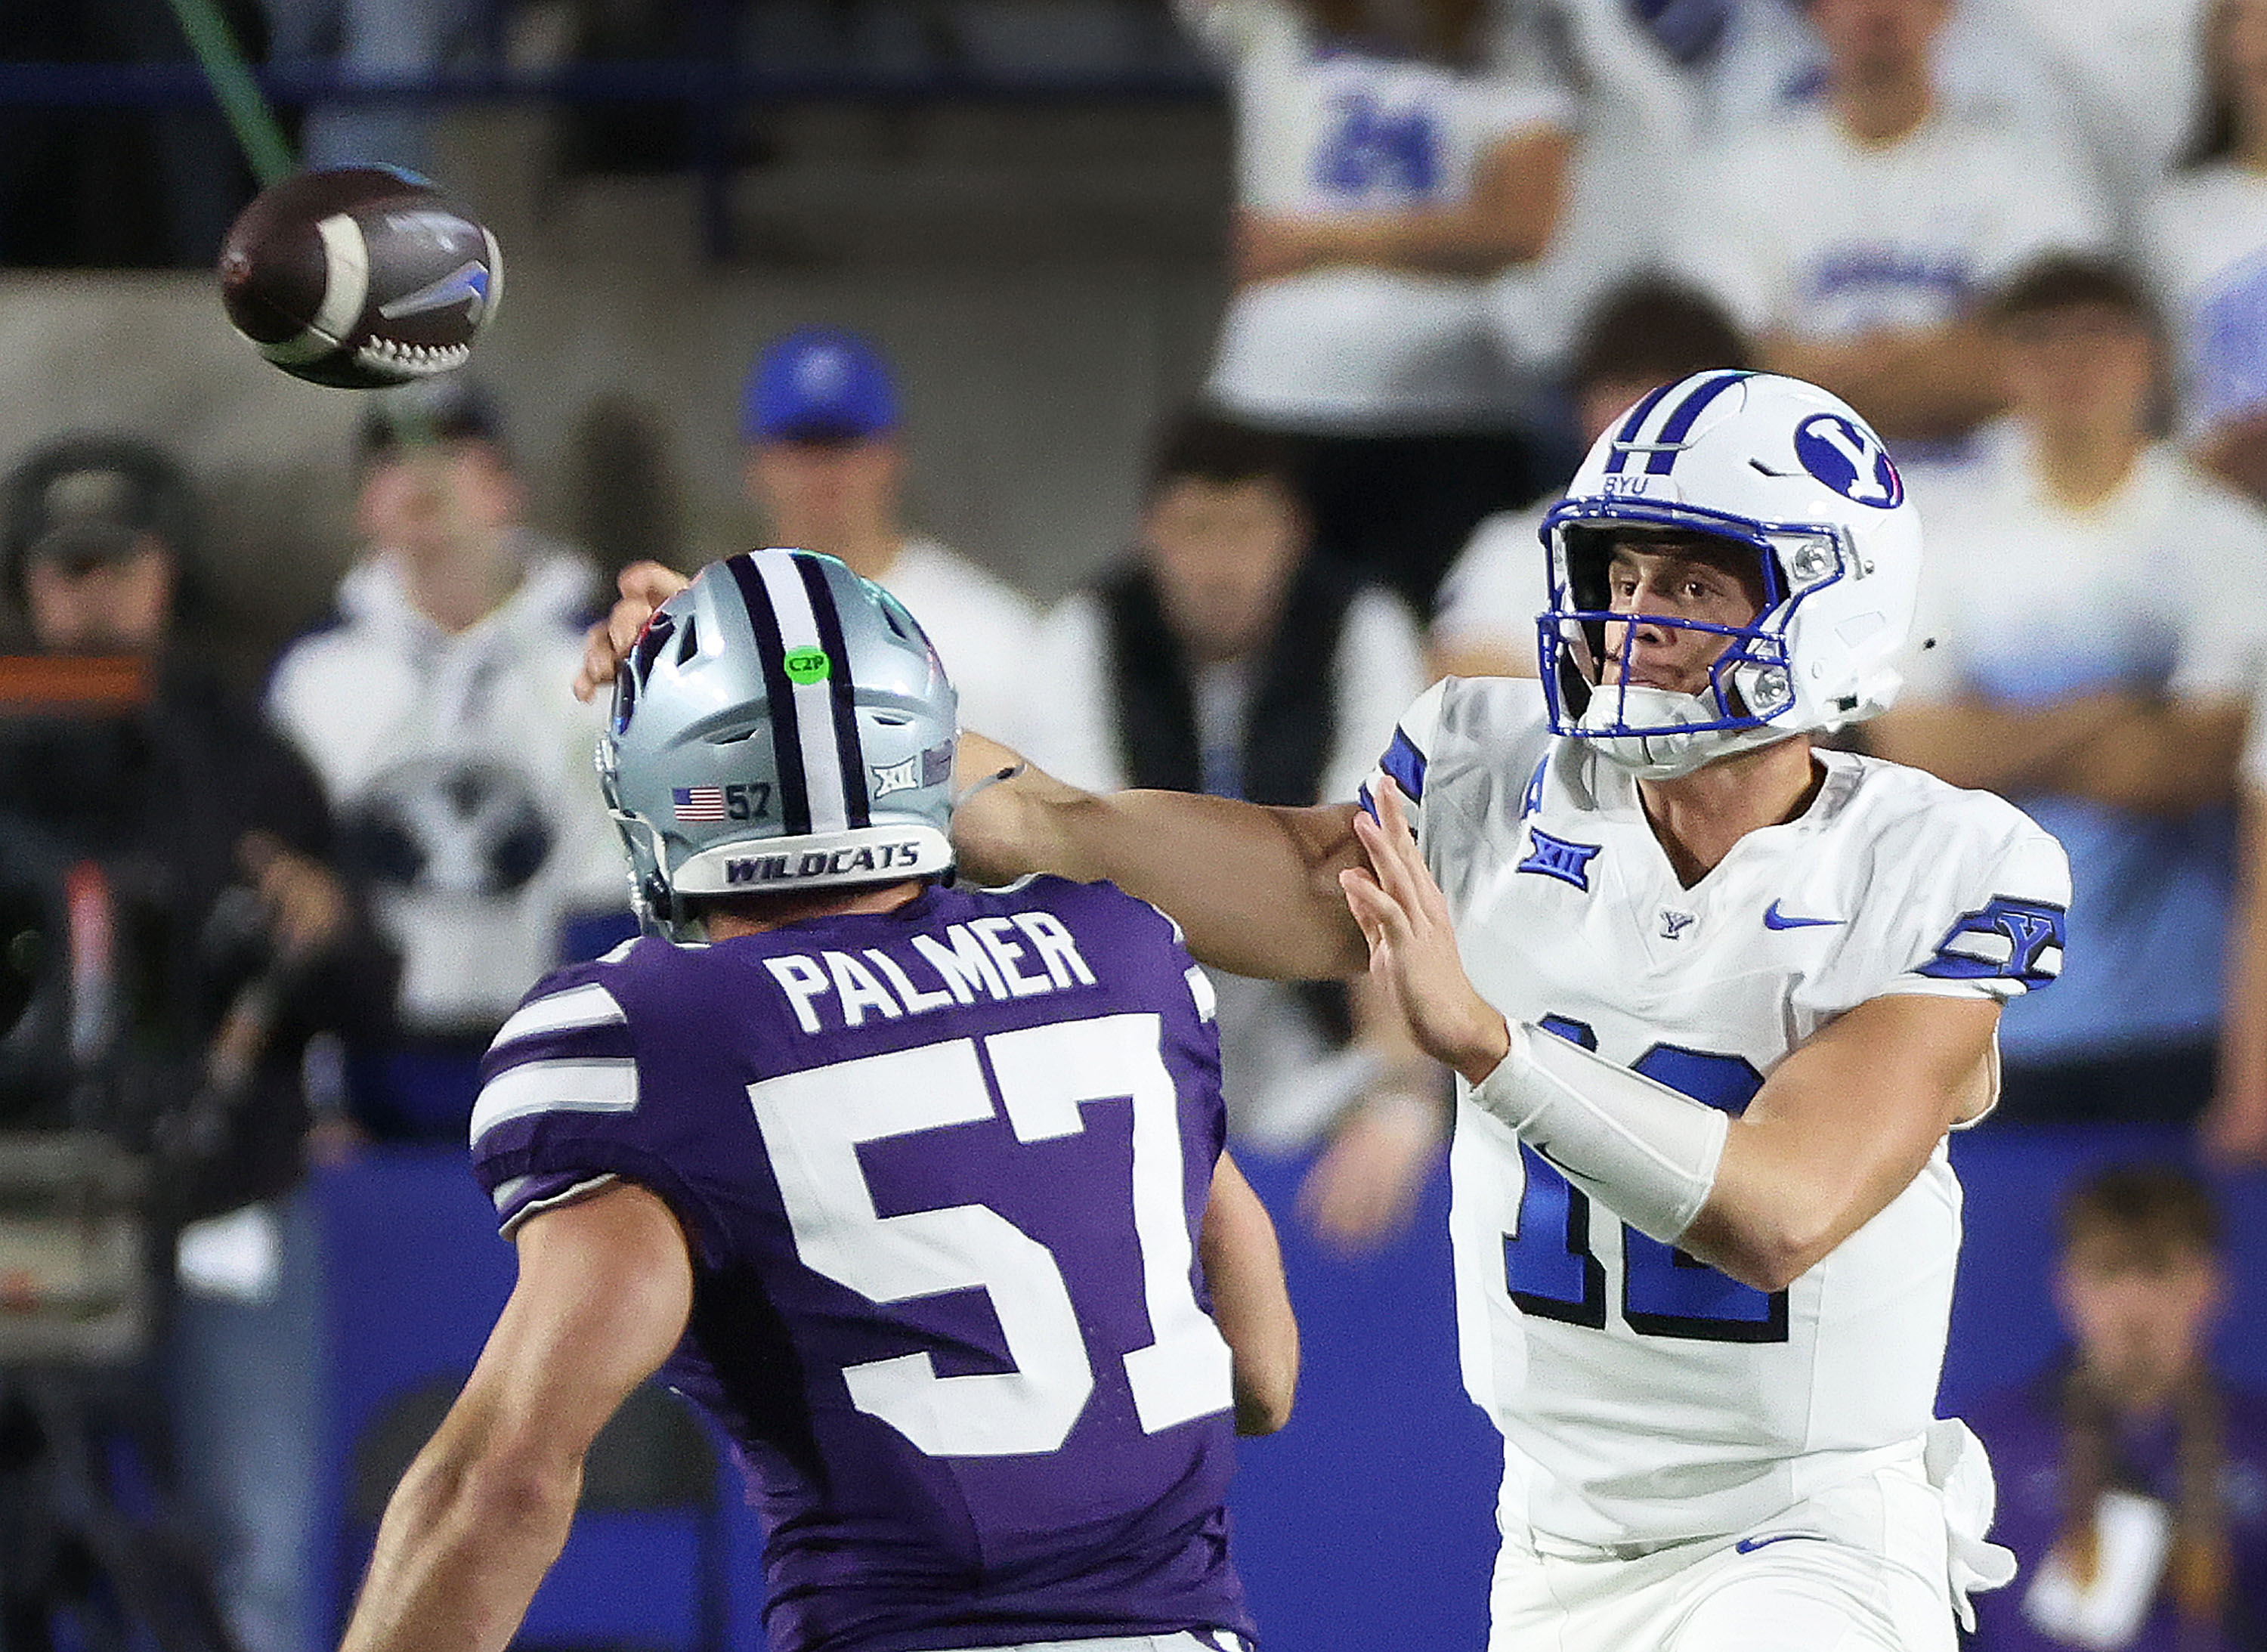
1645, 1152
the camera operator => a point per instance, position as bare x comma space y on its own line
228, 943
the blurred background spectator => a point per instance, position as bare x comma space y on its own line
233, 943
461, 777
1648, 332
2098, 607
2133, 1476
826, 465
1389, 159
2207, 238
1854, 234
1227, 656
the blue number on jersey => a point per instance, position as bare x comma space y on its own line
1665, 1293
1368, 149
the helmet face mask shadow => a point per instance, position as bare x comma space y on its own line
1772, 470
781, 725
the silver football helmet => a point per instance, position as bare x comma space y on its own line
782, 724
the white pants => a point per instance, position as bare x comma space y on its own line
1861, 1566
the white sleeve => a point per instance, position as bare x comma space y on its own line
1498, 586
1231, 30
1986, 918
1716, 248
1408, 753
1066, 724
1381, 664
2223, 643
2050, 204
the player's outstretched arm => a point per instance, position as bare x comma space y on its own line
1839, 1129
1243, 1269
605, 1288
1255, 889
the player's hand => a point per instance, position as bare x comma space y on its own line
1413, 946
644, 586
1363, 1187
306, 904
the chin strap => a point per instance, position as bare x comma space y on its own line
1647, 1153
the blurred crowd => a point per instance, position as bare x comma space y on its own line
2028, 241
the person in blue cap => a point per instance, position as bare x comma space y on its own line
826, 464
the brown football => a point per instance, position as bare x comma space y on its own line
359, 277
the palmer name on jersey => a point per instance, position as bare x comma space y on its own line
1644, 1397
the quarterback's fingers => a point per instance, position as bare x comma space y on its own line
1374, 912
597, 667
651, 583
1393, 853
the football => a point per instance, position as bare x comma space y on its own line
359, 277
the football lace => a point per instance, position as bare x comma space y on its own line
413, 359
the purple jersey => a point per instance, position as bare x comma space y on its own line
942, 1169
2022, 1428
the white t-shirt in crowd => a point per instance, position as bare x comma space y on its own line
1281, 1081
1799, 230
1498, 586
2127, 78
2155, 591
1324, 129
981, 628
2206, 233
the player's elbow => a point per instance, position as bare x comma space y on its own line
500, 1487
1263, 1395
1768, 1250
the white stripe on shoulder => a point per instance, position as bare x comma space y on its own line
588, 1005
537, 1207
1200, 989
621, 951
606, 1085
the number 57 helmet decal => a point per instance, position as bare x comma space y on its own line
781, 723
1761, 464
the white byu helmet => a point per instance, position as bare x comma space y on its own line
1749, 461
782, 724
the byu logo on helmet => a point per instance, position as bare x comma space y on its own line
1849, 459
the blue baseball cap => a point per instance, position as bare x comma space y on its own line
818, 384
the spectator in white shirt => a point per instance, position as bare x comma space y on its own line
2207, 241
1227, 656
1391, 161
2094, 605
1648, 332
826, 464
1854, 235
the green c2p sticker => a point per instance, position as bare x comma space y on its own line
808, 665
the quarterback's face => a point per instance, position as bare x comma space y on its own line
1675, 580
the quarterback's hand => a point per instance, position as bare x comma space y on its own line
1413, 947
644, 586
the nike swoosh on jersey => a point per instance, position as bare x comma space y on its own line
1749, 1545
1774, 919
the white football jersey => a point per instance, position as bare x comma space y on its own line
1645, 1398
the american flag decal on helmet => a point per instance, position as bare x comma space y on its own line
697, 805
